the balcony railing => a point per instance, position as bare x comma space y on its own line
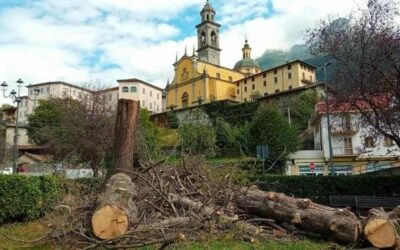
344, 127
343, 151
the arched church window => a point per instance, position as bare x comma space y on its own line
203, 38
214, 38
185, 100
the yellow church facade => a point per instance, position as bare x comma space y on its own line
197, 82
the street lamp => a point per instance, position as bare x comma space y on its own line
15, 96
328, 119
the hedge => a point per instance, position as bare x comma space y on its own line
24, 198
319, 188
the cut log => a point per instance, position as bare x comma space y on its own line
379, 230
339, 224
116, 210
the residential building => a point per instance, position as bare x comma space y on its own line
286, 77
149, 96
353, 150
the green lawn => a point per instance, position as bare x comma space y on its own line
33, 230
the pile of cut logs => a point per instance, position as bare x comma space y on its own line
156, 203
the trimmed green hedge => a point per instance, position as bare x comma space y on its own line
24, 198
318, 188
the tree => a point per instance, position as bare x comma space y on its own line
364, 49
303, 109
74, 128
172, 119
271, 128
148, 135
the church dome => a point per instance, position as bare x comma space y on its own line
247, 63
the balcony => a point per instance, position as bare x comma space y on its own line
344, 151
344, 128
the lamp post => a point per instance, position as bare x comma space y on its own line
15, 96
328, 119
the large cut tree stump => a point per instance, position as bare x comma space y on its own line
340, 225
379, 230
116, 210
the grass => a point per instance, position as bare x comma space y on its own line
33, 230
24, 231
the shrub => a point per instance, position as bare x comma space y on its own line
197, 138
24, 198
319, 188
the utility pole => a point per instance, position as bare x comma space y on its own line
328, 119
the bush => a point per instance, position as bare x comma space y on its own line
24, 198
197, 138
318, 188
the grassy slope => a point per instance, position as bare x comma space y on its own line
24, 231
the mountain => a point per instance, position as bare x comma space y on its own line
273, 58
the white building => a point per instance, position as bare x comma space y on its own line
150, 96
354, 150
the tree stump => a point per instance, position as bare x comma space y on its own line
117, 210
379, 230
339, 224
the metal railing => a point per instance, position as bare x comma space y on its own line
344, 151
344, 127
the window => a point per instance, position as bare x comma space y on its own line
266, 93
276, 79
125, 89
275, 71
48, 89
252, 79
245, 99
104, 98
245, 81
151, 93
310, 78
133, 89
143, 90
230, 79
245, 89
290, 75
151, 105
31, 92
73, 92
238, 91
389, 142
290, 87
369, 142
158, 96
289, 67
238, 84
304, 76
277, 91
143, 103
253, 87
218, 76
110, 97
265, 75
265, 83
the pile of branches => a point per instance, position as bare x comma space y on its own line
185, 202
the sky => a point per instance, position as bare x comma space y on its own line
81, 41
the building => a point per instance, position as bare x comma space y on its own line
200, 78
353, 150
150, 96
286, 77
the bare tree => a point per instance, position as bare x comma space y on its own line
364, 49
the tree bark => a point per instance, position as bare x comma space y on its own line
339, 224
125, 129
117, 210
379, 230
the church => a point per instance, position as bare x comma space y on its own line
199, 78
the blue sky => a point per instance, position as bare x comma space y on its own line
81, 41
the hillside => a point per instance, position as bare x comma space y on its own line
273, 58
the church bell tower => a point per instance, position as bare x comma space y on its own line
208, 36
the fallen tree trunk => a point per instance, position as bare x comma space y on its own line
379, 230
117, 211
339, 224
